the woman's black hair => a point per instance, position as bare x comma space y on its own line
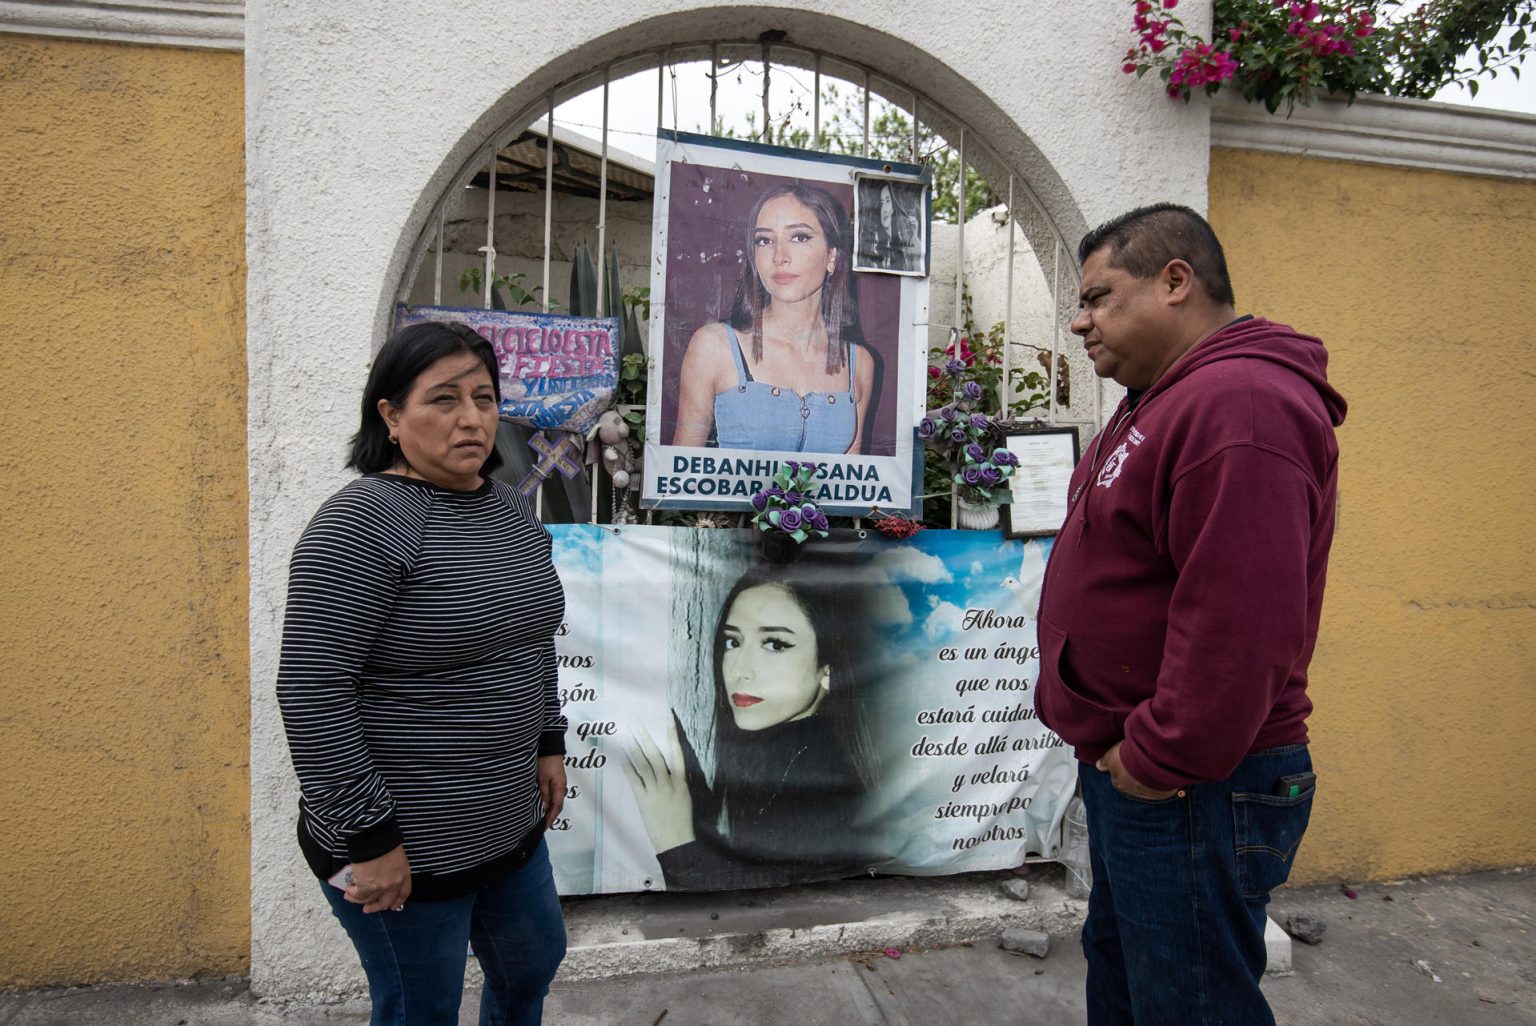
834, 616
408, 353
839, 312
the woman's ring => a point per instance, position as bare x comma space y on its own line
399, 907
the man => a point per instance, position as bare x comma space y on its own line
1178, 613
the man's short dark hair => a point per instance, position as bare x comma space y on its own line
1142, 242
408, 353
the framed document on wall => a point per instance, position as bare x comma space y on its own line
1039, 501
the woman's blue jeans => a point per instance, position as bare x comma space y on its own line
415, 958
1175, 928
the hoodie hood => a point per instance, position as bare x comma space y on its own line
1258, 339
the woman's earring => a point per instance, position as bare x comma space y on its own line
826, 679
393, 440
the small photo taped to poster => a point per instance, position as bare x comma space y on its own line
891, 217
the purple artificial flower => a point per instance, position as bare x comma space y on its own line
789, 520
971, 390
793, 466
776, 492
793, 498
980, 422
1004, 458
819, 521
990, 475
971, 475
926, 428
958, 436
760, 501
955, 367
948, 412
975, 453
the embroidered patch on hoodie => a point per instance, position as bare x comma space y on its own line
1116, 461
1113, 465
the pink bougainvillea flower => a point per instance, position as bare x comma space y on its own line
1129, 68
1169, 5
1199, 66
1234, 34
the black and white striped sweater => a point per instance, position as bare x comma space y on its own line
417, 680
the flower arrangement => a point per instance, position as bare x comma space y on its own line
784, 507
1286, 51
969, 441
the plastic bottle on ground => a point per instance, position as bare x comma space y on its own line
1074, 849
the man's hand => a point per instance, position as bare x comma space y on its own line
1125, 783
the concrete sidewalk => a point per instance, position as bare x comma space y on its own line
1440, 952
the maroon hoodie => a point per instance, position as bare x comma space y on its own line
1180, 604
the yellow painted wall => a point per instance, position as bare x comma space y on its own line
124, 690
1425, 677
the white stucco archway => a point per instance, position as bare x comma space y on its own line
358, 119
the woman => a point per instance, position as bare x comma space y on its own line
889, 237
418, 690
789, 372
792, 757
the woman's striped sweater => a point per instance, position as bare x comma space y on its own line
417, 680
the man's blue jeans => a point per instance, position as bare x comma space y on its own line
1175, 928
415, 958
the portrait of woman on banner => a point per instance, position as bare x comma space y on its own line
788, 370
792, 759
890, 222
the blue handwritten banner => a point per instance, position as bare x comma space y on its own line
557, 372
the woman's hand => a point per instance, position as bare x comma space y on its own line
661, 789
381, 883
552, 786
